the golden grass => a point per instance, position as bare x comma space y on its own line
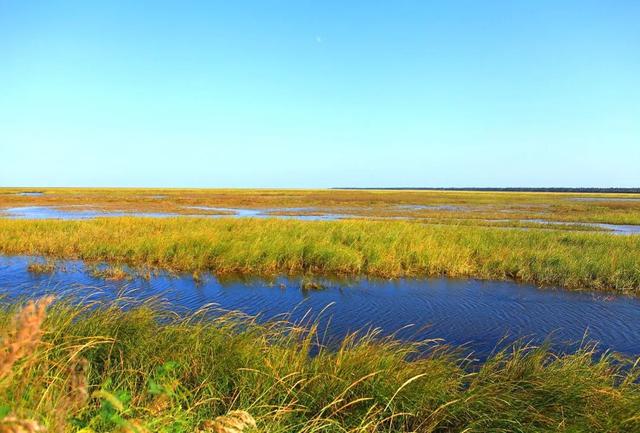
388, 249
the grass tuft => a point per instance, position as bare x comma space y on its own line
41, 268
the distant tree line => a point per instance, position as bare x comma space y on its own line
510, 189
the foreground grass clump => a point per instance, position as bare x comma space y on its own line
102, 369
376, 248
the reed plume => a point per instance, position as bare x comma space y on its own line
24, 335
21, 340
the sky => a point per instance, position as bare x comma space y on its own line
305, 94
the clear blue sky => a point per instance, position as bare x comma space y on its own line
320, 93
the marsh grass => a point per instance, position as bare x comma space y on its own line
387, 249
114, 273
124, 367
310, 284
447, 206
41, 268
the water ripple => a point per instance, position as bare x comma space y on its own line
477, 313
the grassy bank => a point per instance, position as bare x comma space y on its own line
375, 248
99, 369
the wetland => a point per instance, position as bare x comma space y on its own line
320, 310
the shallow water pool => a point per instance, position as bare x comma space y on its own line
78, 213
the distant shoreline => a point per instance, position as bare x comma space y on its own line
489, 189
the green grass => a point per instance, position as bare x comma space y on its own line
149, 369
389, 249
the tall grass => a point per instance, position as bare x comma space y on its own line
103, 368
385, 249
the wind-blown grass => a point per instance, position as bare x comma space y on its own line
384, 249
102, 369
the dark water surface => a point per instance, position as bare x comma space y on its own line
476, 313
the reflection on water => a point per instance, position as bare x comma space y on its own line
71, 213
291, 213
77, 213
619, 229
416, 207
31, 193
476, 313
